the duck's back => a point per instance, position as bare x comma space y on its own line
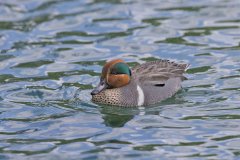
159, 79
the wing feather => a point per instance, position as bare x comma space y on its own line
158, 72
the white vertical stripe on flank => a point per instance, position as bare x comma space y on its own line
140, 96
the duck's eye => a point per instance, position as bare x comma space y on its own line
114, 72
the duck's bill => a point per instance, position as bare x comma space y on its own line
101, 86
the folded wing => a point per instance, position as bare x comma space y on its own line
158, 72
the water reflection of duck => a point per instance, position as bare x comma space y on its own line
142, 85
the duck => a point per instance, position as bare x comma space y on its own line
143, 85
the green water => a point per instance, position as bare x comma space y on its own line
51, 55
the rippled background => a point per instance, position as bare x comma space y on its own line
51, 55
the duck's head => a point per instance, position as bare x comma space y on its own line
115, 74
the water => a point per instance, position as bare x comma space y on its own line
51, 55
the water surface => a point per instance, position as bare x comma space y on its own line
51, 55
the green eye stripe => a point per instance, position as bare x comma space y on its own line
121, 68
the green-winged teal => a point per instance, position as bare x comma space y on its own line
142, 85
